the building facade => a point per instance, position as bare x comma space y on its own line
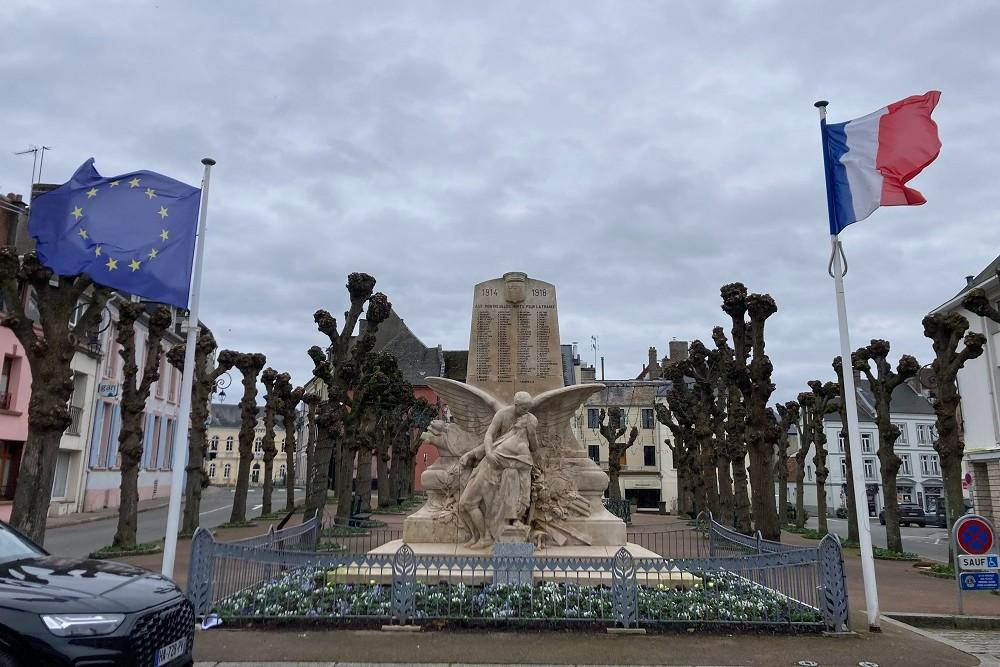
160, 423
919, 480
223, 459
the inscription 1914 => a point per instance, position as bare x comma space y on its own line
514, 343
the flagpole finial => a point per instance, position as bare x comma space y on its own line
208, 162
821, 104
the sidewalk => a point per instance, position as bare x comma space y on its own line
894, 646
77, 518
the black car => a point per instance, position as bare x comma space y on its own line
66, 611
909, 513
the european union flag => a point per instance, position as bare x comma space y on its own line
135, 232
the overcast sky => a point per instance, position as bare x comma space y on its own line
638, 155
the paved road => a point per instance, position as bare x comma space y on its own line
216, 504
931, 543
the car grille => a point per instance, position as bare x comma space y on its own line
159, 628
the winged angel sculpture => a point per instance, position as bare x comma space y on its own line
512, 478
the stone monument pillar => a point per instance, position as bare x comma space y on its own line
513, 348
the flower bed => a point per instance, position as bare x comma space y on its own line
311, 593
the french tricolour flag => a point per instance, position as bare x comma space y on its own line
869, 159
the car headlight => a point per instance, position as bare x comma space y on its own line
82, 625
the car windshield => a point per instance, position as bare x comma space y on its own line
13, 546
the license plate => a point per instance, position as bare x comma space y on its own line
170, 652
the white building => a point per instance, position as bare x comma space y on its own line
919, 479
103, 474
979, 384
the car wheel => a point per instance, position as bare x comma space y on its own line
8, 660
882, 521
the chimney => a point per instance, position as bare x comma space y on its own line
653, 369
678, 350
968, 280
588, 374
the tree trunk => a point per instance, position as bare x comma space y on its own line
707, 453
783, 492
821, 506
33, 493
889, 469
950, 449
741, 493
727, 497
852, 511
765, 516
289, 475
130, 450
239, 513
195, 484
614, 469
384, 481
319, 466
363, 475
800, 491
345, 479
268, 484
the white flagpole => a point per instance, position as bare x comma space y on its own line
187, 382
853, 431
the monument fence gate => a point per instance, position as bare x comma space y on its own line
707, 576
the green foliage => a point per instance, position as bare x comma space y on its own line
111, 551
942, 569
405, 507
322, 593
238, 524
885, 554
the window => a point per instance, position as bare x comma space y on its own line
163, 377
925, 434
929, 464
172, 382
902, 433
647, 418
905, 466
594, 452
77, 312
168, 456
843, 468
866, 443
809, 473
255, 474
258, 447
593, 418
211, 471
842, 439
870, 469
6, 384
214, 444
229, 444
62, 475
31, 307
281, 471
649, 455
111, 358
226, 470
154, 451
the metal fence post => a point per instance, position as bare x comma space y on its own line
759, 538
404, 574
624, 590
833, 584
200, 571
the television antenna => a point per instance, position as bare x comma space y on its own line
38, 161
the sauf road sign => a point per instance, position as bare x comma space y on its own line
978, 568
981, 563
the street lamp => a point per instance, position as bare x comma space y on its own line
221, 384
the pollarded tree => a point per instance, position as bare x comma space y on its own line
49, 348
703, 366
311, 402
788, 414
826, 401
250, 366
612, 427
267, 378
404, 449
948, 331
753, 380
287, 406
340, 370
720, 359
852, 513
133, 406
206, 375
679, 418
807, 402
736, 416
882, 383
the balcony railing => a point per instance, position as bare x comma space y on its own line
76, 416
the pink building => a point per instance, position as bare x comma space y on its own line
15, 391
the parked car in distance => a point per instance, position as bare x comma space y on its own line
67, 611
909, 513
939, 519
